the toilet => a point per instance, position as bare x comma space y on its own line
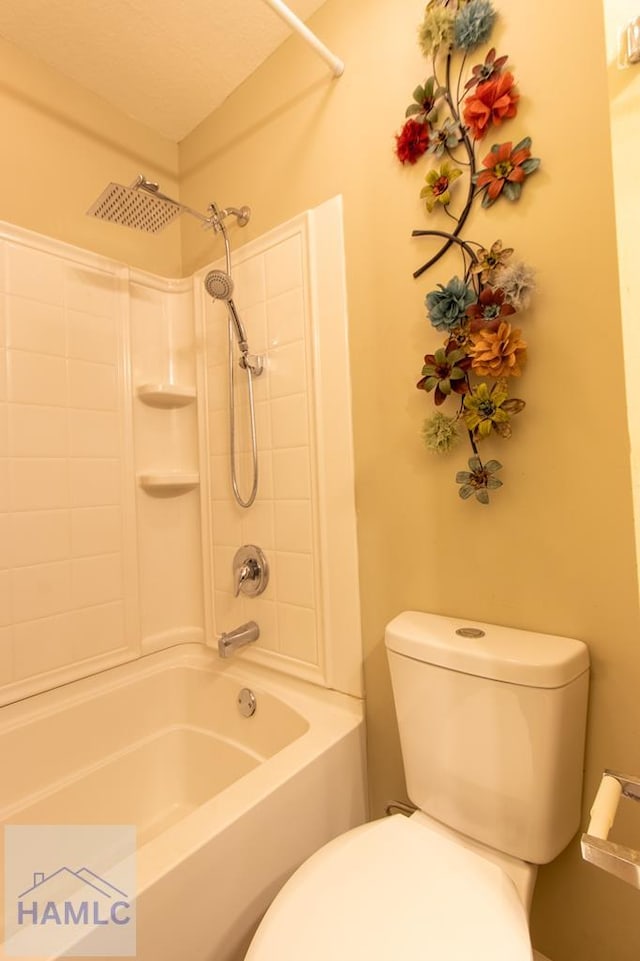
492, 725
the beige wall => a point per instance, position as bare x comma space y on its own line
61, 146
555, 550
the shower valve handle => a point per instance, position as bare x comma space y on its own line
250, 571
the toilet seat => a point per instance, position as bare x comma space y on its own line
393, 890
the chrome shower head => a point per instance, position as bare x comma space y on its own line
140, 206
219, 285
143, 207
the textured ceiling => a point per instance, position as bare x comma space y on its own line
167, 63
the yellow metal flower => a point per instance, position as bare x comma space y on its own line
484, 411
487, 410
490, 260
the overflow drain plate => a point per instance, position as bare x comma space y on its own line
247, 702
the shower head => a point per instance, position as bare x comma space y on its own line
143, 207
140, 206
219, 285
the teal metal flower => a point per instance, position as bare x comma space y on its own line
447, 137
447, 306
473, 24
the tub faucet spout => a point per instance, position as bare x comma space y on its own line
230, 641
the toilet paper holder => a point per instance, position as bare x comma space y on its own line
621, 861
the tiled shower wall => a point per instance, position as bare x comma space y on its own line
96, 566
289, 287
273, 295
63, 458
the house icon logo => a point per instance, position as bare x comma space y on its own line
68, 897
69, 890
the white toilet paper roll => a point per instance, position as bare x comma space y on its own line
604, 807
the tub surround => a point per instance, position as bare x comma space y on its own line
67, 564
289, 288
77, 332
117, 521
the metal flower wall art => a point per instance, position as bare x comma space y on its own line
451, 123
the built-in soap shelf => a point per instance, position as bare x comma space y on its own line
168, 483
166, 395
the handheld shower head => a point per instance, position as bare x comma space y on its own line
219, 286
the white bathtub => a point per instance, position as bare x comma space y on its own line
225, 806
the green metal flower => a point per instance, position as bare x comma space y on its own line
424, 103
438, 185
445, 372
479, 479
440, 433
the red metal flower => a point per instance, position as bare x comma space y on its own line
412, 141
492, 102
488, 310
506, 168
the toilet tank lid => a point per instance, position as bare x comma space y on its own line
488, 650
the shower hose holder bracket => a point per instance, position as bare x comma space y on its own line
252, 362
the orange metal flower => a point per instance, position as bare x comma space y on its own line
506, 168
492, 102
498, 353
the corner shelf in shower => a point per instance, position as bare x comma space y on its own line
166, 395
168, 483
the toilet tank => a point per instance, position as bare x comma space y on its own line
492, 726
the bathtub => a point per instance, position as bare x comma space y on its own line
225, 806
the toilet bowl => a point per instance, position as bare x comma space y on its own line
492, 723
393, 890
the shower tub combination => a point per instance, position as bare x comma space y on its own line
225, 805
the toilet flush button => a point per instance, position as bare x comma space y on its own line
470, 632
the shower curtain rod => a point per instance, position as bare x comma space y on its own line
296, 24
